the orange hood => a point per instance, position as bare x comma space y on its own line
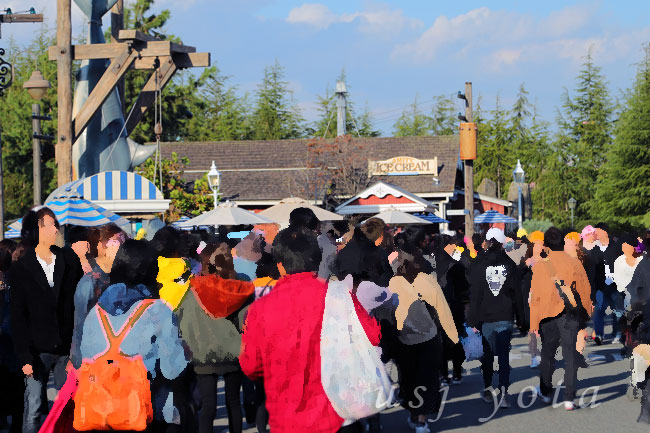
220, 297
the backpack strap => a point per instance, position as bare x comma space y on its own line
114, 341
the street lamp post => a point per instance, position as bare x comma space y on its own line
214, 181
519, 177
37, 87
572, 207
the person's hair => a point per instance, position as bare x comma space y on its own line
166, 242
7, 248
631, 239
374, 228
303, 217
103, 234
77, 234
445, 240
477, 240
19, 251
135, 263
32, 221
267, 267
363, 260
216, 259
602, 226
553, 239
492, 245
297, 249
189, 243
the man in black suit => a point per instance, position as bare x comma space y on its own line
42, 291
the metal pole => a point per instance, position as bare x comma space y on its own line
519, 211
469, 170
340, 114
571, 218
215, 199
36, 151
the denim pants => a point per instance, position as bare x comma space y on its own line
613, 301
35, 398
496, 341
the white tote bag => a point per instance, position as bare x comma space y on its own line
353, 376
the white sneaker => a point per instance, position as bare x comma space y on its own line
534, 361
569, 406
544, 398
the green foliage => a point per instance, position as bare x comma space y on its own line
533, 225
16, 125
186, 199
275, 117
623, 191
326, 126
414, 122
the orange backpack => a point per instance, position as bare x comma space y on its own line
114, 392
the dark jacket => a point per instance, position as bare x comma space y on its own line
451, 276
43, 316
498, 299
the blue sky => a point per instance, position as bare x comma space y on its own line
394, 50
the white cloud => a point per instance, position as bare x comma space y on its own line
498, 39
376, 18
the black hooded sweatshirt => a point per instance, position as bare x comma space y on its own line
494, 300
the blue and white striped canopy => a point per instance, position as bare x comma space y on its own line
431, 217
493, 216
109, 185
80, 212
12, 233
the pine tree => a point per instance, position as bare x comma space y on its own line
585, 125
443, 116
275, 117
623, 191
412, 123
355, 125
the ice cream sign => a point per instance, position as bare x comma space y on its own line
403, 166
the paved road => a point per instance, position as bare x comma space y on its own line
463, 409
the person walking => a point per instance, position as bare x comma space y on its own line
211, 319
495, 298
608, 298
104, 244
559, 289
625, 265
153, 337
281, 340
533, 255
42, 285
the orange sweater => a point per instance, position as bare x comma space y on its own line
545, 300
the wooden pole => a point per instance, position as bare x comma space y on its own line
469, 170
36, 152
117, 24
64, 91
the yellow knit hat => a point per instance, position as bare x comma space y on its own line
536, 236
521, 233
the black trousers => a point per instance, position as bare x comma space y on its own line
261, 415
455, 353
11, 397
356, 427
419, 372
207, 387
555, 332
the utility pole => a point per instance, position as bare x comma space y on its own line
341, 108
117, 24
469, 169
36, 150
63, 148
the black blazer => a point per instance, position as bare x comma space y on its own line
42, 317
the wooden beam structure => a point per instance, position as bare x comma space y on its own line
116, 70
148, 95
128, 49
21, 18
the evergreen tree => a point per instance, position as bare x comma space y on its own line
586, 127
275, 117
412, 123
443, 116
623, 191
327, 125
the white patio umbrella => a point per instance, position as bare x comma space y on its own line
397, 217
281, 211
226, 214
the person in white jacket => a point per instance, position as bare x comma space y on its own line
625, 265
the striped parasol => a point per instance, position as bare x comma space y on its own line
12, 233
431, 217
493, 216
80, 212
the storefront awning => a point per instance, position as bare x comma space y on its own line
117, 191
383, 196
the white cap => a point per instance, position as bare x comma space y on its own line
496, 234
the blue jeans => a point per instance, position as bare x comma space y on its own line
496, 341
613, 301
35, 399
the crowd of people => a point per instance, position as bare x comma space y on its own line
297, 321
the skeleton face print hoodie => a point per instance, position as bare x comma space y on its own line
494, 289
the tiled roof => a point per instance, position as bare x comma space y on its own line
274, 169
